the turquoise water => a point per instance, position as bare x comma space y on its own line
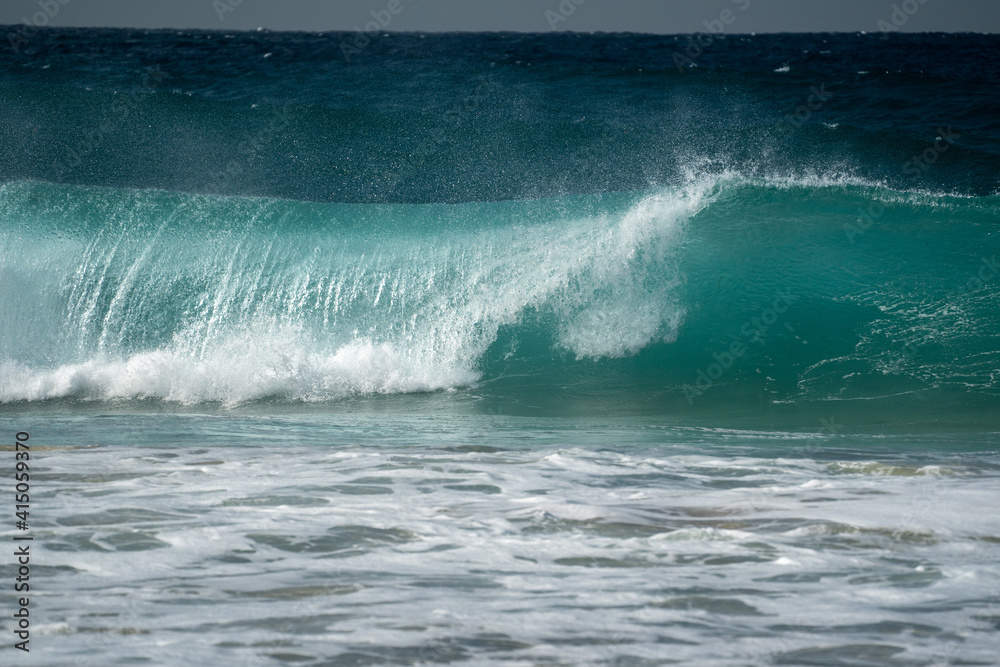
503, 349
789, 297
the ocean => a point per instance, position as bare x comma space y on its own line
522, 349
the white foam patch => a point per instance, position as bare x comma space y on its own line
240, 369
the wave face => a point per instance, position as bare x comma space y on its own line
122, 294
726, 292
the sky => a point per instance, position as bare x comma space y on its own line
651, 16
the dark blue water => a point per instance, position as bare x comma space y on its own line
424, 118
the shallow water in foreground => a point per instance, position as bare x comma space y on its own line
375, 539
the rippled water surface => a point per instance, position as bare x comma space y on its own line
464, 540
